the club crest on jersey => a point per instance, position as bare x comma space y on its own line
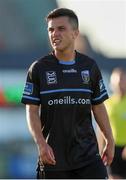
85, 76
51, 77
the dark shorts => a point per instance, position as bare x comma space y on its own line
118, 166
95, 170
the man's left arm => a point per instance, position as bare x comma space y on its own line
102, 120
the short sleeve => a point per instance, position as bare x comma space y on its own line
31, 93
99, 92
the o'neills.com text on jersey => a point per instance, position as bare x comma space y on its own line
68, 100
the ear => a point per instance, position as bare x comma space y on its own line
76, 33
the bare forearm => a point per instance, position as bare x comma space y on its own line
46, 154
102, 120
34, 125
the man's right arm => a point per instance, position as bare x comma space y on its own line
34, 124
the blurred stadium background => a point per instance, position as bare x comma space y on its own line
23, 38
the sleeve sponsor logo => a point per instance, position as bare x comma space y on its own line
85, 76
101, 85
51, 77
28, 88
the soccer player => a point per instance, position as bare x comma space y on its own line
116, 107
61, 90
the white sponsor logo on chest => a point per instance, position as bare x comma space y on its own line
51, 77
69, 71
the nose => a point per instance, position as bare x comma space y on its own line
55, 32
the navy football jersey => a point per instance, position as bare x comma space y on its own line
66, 93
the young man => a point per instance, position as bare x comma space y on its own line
65, 86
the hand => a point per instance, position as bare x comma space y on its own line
108, 154
46, 154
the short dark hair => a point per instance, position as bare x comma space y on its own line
60, 12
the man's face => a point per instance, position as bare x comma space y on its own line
122, 82
118, 82
61, 33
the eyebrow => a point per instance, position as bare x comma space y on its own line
62, 26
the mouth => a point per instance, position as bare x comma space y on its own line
56, 42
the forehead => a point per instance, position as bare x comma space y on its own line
59, 21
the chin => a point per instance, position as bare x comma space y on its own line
58, 48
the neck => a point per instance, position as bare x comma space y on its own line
66, 56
